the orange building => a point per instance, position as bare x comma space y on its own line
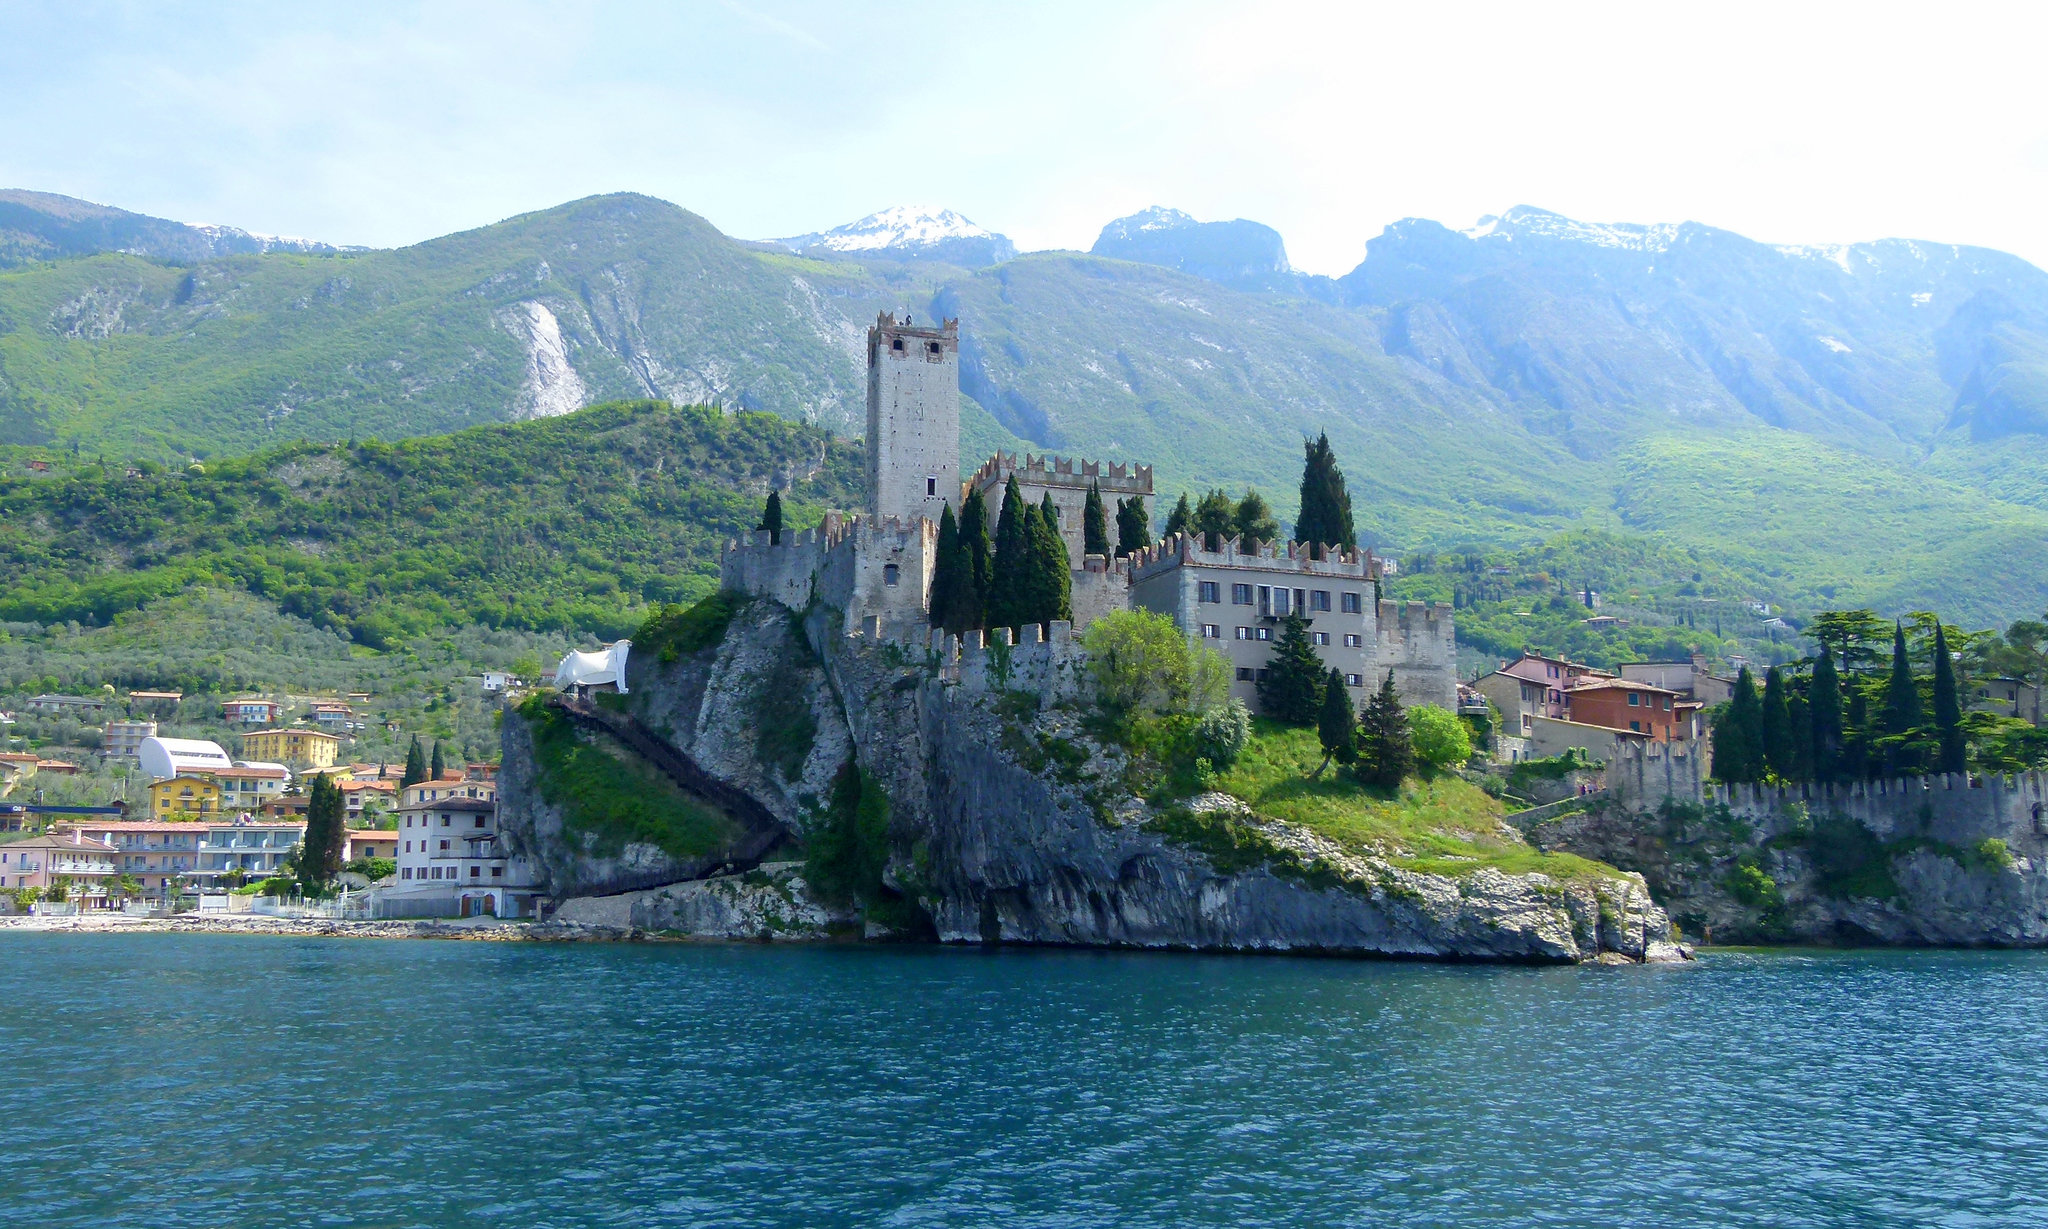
1624, 704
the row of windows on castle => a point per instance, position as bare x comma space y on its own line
1276, 601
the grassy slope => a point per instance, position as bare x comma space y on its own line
579, 522
1444, 826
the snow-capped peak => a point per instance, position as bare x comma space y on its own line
905, 226
1524, 220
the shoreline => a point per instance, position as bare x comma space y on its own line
485, 930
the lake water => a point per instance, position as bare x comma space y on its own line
226, 1081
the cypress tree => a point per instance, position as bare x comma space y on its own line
974, 543
1801, 725
1336, 724
1215, 519
320, 849
1051, 574
1948, 711
1133, 525
771, 518
415, 765
1386, 752
1857, 762
1292, 689
1824, 713
1775, 724
1325, 518
1181, 519
950, 573
1902, 712
1256, 525
1094, 523
1738, 737
1010, 568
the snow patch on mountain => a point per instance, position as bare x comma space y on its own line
906, 229
1525, 221
235, 239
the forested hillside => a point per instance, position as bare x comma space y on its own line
577, 523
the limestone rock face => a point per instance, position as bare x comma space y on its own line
997, 843
1912, 891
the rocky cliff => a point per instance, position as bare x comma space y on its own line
1005, 823
1934, 861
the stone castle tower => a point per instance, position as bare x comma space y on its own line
913, 419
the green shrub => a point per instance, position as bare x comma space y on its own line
1221, 734
674, 630
1441, 740
1141, 662
848, 851
1989, 854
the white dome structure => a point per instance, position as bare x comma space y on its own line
163, 758
606, 667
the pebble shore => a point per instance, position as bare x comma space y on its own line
487, 930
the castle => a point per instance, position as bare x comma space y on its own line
877, 569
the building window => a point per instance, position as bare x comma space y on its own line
1354, 680
890, 573
497, 872
479, 821
1352, 640
931, 484
444, 844
1259, 676
1265, 633
1637, 726
1320, 637
406, 873
1208, 591
1244, 633
1240, 595
1667, 704
932, 351
1210, 631
475, 872
1527, 723
1353, 604
1319, 599
896, 344
1634, 700
1244, 674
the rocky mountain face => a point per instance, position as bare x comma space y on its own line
910, 233
39, 226
988, 848
1240, 254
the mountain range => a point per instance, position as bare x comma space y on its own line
1865, 423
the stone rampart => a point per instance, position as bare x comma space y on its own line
1100, 586
1189, 549
1417, 643
860, 566
1951, 808
1045, 661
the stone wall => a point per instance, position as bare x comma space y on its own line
1416, 642
1067, 481
850, 561
1100, 586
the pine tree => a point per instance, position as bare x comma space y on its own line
1336, 724
950, 574
1325, 518
1255, 522
1051, 573
320, 849
435, 764
1824, 713
771, 518
1181, 519
974, 543
1094, 523
1902, 712
1775, 724
1215, 519
1009, 567
1133, 525
415, 765
1948, 712
1738, 737
1292, 688
1386, 754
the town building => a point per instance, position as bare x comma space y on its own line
453, 862
333, 715
74, 706
163, 758
122, 740
155, 699
40, 861
496, 681
251, 711
1532, 686
255, 850
190, 795
370, 843
2008, 697
358, 796
293, 745
877, 570
1623, 704
245, 788
1691, 678
157, 855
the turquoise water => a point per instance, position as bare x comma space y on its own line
225, 1081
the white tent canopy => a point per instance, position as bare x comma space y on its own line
163, 758
607, 665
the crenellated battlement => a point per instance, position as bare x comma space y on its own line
1050, 471
1046, 661
1183, 548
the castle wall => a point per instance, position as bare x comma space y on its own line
850, 561
1067, 481
1415, 641
913, 440
1100, 586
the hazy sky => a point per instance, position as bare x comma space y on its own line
387, 124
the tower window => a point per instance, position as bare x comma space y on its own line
931, 351
931, 484
896, 344
890, 572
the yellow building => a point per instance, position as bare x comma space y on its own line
175, 797
316, 748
